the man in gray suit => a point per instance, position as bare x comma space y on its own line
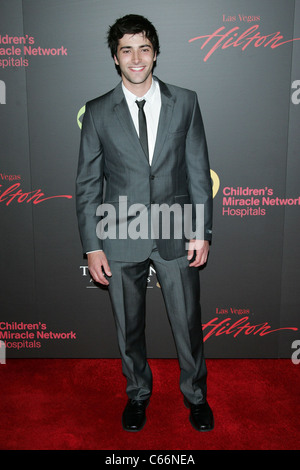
143, 146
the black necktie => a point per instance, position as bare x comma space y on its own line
143, 127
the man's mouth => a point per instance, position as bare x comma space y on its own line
137, 69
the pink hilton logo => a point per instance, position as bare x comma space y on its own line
235, 38
15, 193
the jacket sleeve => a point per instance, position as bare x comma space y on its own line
198, 171
89, 183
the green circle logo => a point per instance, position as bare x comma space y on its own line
79, 115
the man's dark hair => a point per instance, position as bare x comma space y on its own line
131, 24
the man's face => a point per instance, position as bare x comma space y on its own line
135, 57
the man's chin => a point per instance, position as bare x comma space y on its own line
137, 80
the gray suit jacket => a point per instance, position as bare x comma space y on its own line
112, 165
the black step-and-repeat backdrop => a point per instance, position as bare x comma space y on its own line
243, 59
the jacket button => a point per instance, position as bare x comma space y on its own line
152, 177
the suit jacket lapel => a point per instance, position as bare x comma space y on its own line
124, 116
167, 106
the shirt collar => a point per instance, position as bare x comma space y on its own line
131, 97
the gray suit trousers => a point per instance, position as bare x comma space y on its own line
181, 291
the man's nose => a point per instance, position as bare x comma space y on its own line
136, 57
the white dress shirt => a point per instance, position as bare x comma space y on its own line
151, 109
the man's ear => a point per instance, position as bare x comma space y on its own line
116, 60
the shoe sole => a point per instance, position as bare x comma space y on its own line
134, 430
201, 430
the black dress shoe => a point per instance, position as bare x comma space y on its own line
134, 415
201, 416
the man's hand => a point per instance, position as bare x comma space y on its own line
98, 266
202, 248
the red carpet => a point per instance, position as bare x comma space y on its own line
57, 404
